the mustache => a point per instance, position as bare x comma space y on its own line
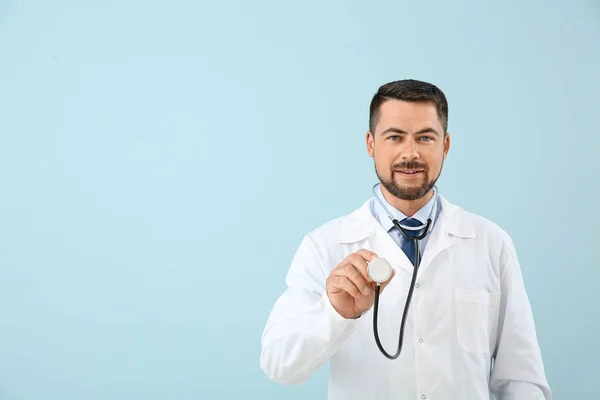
410, 165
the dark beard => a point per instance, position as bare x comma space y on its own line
409, 193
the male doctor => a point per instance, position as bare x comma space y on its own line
469, 334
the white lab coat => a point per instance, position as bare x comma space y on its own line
469, 307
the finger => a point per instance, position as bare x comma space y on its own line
344, 284
355, 276
360, 264
367, 255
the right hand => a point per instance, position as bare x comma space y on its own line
349, 288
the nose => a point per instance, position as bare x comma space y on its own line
410, 150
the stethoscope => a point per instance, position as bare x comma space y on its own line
380, 270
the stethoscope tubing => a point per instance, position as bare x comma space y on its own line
411, 289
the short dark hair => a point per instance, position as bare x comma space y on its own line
409, 90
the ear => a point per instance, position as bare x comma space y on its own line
370, 144
446, 145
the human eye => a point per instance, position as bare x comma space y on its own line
394, 138
426, 138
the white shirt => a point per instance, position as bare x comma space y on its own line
469, 332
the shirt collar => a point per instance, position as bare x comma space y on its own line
382, 216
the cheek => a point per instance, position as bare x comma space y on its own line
383, 165
385, 155
435, 163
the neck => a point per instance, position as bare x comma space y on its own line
406, 207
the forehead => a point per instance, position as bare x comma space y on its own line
408, 115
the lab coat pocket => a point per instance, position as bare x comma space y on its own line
475, 318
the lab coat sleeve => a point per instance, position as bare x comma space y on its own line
518, 372
303, 330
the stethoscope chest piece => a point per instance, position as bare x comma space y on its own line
379, 270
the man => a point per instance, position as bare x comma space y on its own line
469, 332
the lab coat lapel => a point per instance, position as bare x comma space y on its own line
384, 246
451, 224
438, 241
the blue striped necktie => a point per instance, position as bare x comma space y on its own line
408, 246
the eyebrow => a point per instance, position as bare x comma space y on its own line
420, 132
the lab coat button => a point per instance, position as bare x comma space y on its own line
421, 341
417, 285
423, 397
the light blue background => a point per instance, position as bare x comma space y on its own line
160, 163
